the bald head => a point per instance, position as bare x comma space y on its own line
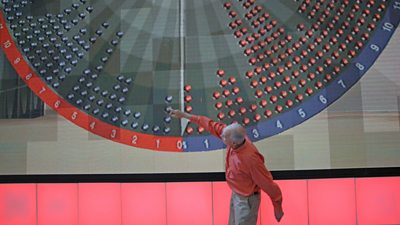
233, 134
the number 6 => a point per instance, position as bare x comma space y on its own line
301, 113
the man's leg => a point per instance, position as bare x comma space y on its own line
231, 212
245, 210
254, 202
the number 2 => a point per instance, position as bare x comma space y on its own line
134, 139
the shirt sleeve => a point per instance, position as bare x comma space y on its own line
215, 128
263, 178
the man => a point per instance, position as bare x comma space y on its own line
245, 171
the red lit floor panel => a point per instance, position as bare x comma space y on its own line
18, 204
100, 204
221, 198
57, 204
360, 201
294, 204
143, 204
332, 201
378, 200
189, 203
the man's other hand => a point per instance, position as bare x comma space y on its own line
278, 213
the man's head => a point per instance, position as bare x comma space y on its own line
233, 134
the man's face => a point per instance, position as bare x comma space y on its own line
226, 137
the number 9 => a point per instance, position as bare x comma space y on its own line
375, 48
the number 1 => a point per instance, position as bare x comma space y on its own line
158, 143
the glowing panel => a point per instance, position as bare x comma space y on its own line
378, 200
57, 204
221, 199
294, 204
189, 203
100, 204
332, 201
18, 204
143, 204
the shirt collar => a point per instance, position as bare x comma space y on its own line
241, 146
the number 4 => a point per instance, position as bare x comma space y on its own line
279, 124
7, 44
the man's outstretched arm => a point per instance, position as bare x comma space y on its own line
215, 128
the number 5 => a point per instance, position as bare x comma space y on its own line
302, 113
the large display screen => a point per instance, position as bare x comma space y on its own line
85, 86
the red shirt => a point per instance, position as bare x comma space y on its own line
245, 171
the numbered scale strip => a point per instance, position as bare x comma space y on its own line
80, 118
325, 97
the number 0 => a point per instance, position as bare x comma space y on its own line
181, 145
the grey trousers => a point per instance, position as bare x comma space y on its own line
244, 210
